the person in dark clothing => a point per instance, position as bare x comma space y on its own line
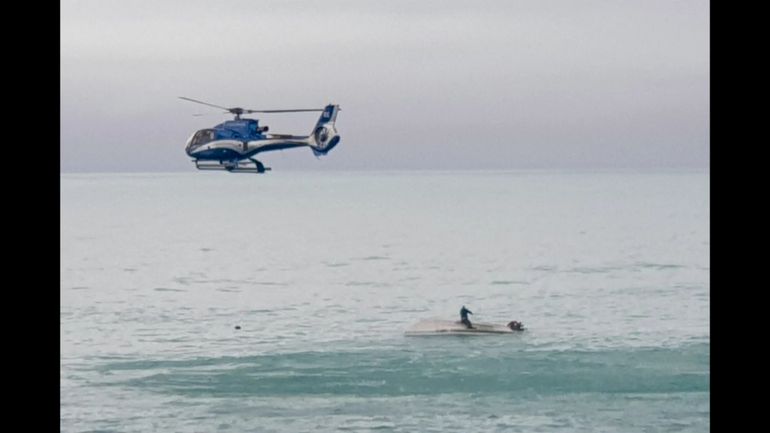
464, 312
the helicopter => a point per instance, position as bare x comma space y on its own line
231, 145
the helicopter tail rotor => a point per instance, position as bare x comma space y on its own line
324, 136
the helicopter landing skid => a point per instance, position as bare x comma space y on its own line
233, 167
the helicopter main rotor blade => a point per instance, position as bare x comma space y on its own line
239, 111
207, 114
297, 110
205, 103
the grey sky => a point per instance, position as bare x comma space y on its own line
422, 84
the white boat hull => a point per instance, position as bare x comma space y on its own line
448, 327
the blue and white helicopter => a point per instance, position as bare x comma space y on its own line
232, 144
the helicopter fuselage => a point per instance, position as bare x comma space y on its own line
237, 139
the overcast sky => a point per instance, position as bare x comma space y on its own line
422, 84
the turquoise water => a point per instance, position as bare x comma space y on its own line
323, 272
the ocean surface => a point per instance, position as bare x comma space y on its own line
324, 271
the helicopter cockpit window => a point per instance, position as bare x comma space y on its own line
202, 137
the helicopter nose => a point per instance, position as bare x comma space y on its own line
188, 145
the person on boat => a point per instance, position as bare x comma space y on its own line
464, 312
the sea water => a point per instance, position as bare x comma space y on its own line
208, 301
